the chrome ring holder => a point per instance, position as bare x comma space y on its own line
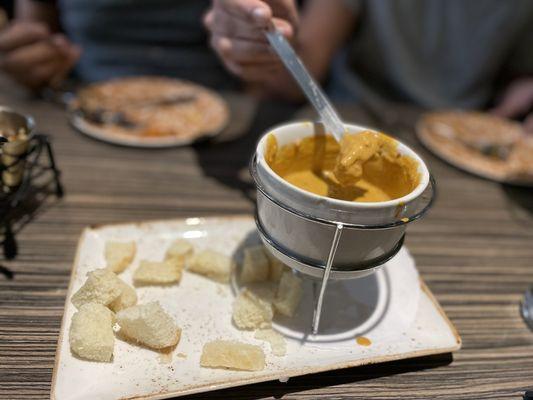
339, 228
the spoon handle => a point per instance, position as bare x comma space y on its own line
311, 89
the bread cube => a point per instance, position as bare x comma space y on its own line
127, 298
91, 333
102, 286
251, 312
232, 355
276, 267
255, 267
150, 325
179, 249
289, 294
157, 272
212, 264
264, 290
277, 342
119, 255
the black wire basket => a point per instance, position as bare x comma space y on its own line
28, 176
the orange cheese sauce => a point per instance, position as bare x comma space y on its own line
365, 167
363, 341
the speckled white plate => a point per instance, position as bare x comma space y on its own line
393, 308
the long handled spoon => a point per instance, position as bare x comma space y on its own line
311, 89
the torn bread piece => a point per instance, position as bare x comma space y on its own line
232, 355
91, 333
158, 272
179, 249
102, 286
212, 264
289, 294
119, 255
127, 298
276, 267
251, 312
150, 325
277, 342
255, 267
264, 290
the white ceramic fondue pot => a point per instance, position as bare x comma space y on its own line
298, 227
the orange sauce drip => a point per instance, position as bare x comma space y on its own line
363, 341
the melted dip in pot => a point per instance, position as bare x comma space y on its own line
365, 167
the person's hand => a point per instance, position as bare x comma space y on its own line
33, 56
236, 28
517, 100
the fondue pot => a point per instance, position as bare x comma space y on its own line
324, 237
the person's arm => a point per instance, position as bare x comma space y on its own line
236, 28
30, 52
325, 25
44, 12
517, 101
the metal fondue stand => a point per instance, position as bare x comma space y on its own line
313, 269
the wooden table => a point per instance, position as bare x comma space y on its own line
474, 250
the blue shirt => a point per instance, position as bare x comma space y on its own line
143, 37
436, 53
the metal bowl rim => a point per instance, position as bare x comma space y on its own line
432, 187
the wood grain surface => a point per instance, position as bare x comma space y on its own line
474, 250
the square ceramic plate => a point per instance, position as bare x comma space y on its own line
392, 308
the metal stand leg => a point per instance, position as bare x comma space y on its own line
325, 277
59, 187
10, 244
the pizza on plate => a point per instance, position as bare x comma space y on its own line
151, 107
481, 143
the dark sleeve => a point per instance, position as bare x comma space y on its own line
7, 6
521, 60
354, 5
